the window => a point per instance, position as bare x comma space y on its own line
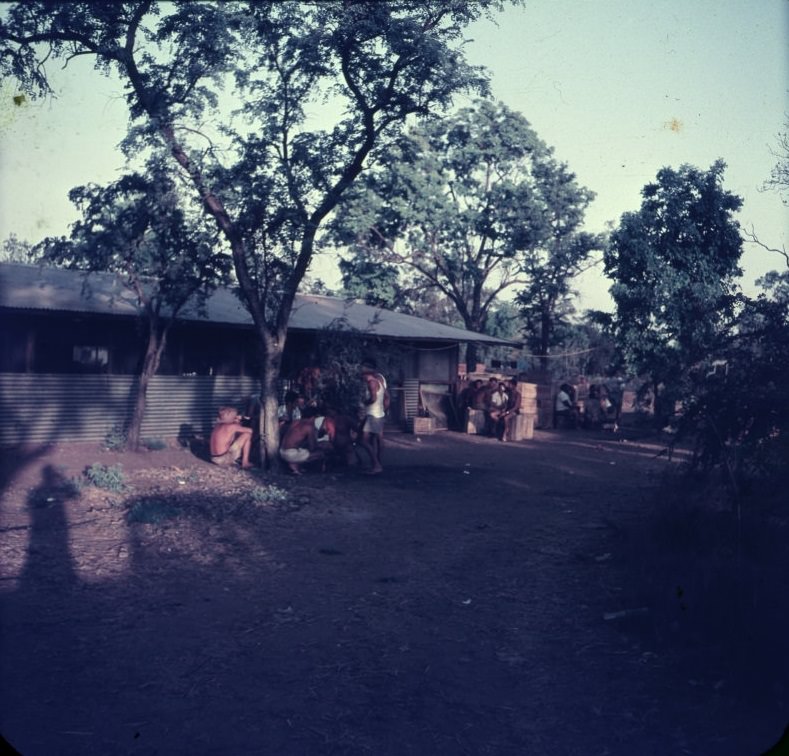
91, 357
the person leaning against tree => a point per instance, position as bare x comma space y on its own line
230, 440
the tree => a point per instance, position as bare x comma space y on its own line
779, 176
267, 175
551, 266
674, 264
15, 249
460, 206
136, 227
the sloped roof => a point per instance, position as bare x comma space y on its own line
35, 288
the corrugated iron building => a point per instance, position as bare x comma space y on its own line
71, 344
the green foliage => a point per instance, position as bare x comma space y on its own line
779, 176
271, 174
468, 206
152, 511
154, 444
116, 438
108, 477
14, 249
737, 415
267, 495
674, 264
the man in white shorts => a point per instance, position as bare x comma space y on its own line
375, 406
300, 444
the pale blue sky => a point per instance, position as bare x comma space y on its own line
620, 88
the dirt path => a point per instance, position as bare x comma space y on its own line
477, 598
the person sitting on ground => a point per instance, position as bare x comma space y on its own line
506, 425
564, 409
300, 443
230, 440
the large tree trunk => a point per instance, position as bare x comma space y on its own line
472, 355
153, 354
268, 425
545, 340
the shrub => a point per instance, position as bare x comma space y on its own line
269, 495
154, 444
115, 440
108, 477
152, 511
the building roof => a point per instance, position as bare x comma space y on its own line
35, 288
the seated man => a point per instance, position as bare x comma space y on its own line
496, 406
230, 440
564, 410
300, 444
291, 410
506, 425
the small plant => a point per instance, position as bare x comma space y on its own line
154, 444
152, 511
115, 440
108, 477
263, 495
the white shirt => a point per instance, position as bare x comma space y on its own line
376, 409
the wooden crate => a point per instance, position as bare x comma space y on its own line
523, 427
422, 425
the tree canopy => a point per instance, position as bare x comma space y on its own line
240, 93
167, 259
674, 263
470, 206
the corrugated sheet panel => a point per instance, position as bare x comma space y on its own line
59, 289
41, 408
411, 397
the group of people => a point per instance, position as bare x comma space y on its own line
309, 434
601, 406
499, 400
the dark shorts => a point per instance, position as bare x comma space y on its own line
374, 425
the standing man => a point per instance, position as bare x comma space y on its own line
376, 402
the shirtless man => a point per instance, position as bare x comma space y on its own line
341, 433
509, 418
300, 444
230, 440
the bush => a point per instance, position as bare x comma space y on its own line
108, 477
269, 495
115, 440
738, 418
154, 444
152, 511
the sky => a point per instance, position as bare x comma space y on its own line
620, 89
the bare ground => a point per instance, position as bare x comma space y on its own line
477, 598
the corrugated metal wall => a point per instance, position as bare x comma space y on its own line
47, 408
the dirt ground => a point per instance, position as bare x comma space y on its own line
475, 598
